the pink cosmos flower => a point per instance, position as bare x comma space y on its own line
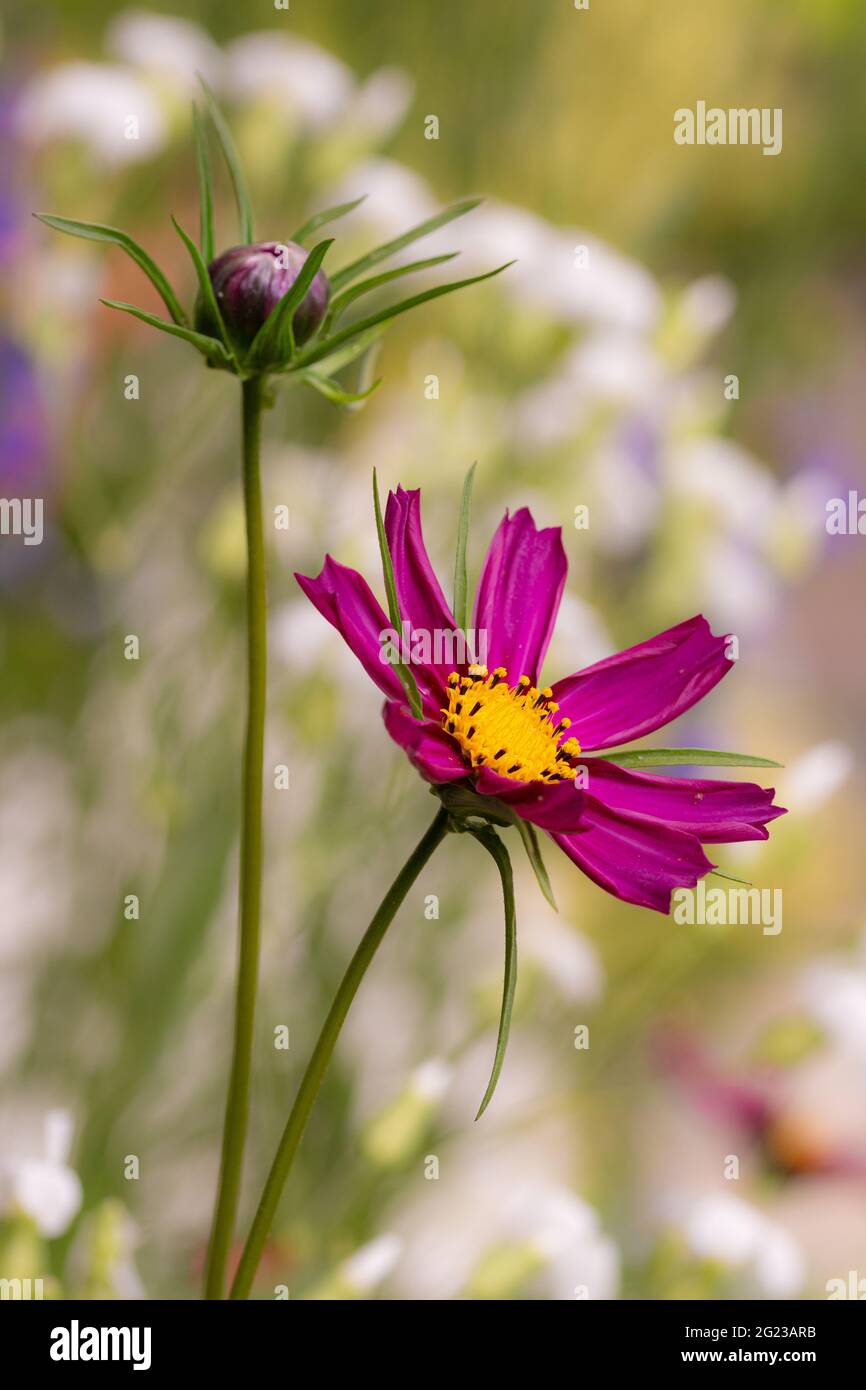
493, 728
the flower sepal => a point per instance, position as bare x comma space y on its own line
469, 813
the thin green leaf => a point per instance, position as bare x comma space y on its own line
390, 248
205, 187
533, 854
205, 286
342, 301
211, 347
461, 583
321, 219
335, 362
732, 878
406, 675
494, 846
233, 164
678, 757
333, 391
322, 349
368, 367
275, 340
95, 231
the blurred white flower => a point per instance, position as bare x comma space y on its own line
566, 956
835, 994
578, 1260
431, 1079
108, 108
504, 1193
380, 104
170, 49
738, 589
370, 1266
562, 272
307, 84
707, 304
548, 276
549, 413
816, 775
395, 198
299, 637
362, 1273
623, 500
610, 367
579, 638
725, 1228
738, 490
617, 368
394, 1134
44, 1187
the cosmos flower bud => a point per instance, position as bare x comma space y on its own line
249, 282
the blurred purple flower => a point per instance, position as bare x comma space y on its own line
789, 1144
23, 434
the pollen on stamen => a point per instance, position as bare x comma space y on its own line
510, 729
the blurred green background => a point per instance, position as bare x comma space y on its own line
600, 1172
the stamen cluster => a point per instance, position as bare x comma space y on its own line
511, 729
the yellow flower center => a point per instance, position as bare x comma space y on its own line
509, 728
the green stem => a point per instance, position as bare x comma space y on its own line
250, 887
318, 1063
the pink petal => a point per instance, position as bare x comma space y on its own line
519, 594
422, 603
640, 861
549, 805
430, 750
714, 811
644, 687
344, 597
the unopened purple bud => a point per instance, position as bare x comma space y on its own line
250, 281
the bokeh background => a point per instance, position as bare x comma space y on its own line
602, 1171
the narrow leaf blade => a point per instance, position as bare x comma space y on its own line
679, 757
205, 286
405, 674
205, 187
731, 878
533, 854
342, 301
333, 391
95, 231
324, 348
321, 219
461, 583
390, 248
348, 353
211, 347
494, 846
233, 164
